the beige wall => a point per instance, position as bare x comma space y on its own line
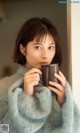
75, 28
73, 36
17, 13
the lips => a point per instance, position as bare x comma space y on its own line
43, 63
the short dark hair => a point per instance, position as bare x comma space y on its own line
36, 28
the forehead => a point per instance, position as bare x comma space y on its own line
43, 38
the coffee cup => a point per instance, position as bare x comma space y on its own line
48, 73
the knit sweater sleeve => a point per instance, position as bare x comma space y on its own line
29, 113
70, 115
5, 84
70, 112
3, 99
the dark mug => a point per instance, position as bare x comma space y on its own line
48, 73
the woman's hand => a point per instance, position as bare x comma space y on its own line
31, 79
60, 91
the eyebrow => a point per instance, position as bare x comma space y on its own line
36, 43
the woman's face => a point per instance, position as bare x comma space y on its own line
40, 53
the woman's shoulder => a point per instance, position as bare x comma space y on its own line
6, 82
8, 79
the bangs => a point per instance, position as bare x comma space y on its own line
40, 37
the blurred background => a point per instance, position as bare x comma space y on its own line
13, 13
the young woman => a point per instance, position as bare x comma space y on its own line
25, 103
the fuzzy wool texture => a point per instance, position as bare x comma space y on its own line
39, 113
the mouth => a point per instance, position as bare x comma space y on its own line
43, 63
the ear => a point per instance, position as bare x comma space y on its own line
22, 49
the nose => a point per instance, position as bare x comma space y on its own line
44, 54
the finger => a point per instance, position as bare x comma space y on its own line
31, 82
58, 86
34, 70
61, 79
62, 75
55, 90
35, 82
31, 75
32, 79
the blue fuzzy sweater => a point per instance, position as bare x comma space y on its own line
39, 113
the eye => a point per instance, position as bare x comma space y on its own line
37, 47
51, 47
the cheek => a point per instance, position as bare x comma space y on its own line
32, 55
52, 54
